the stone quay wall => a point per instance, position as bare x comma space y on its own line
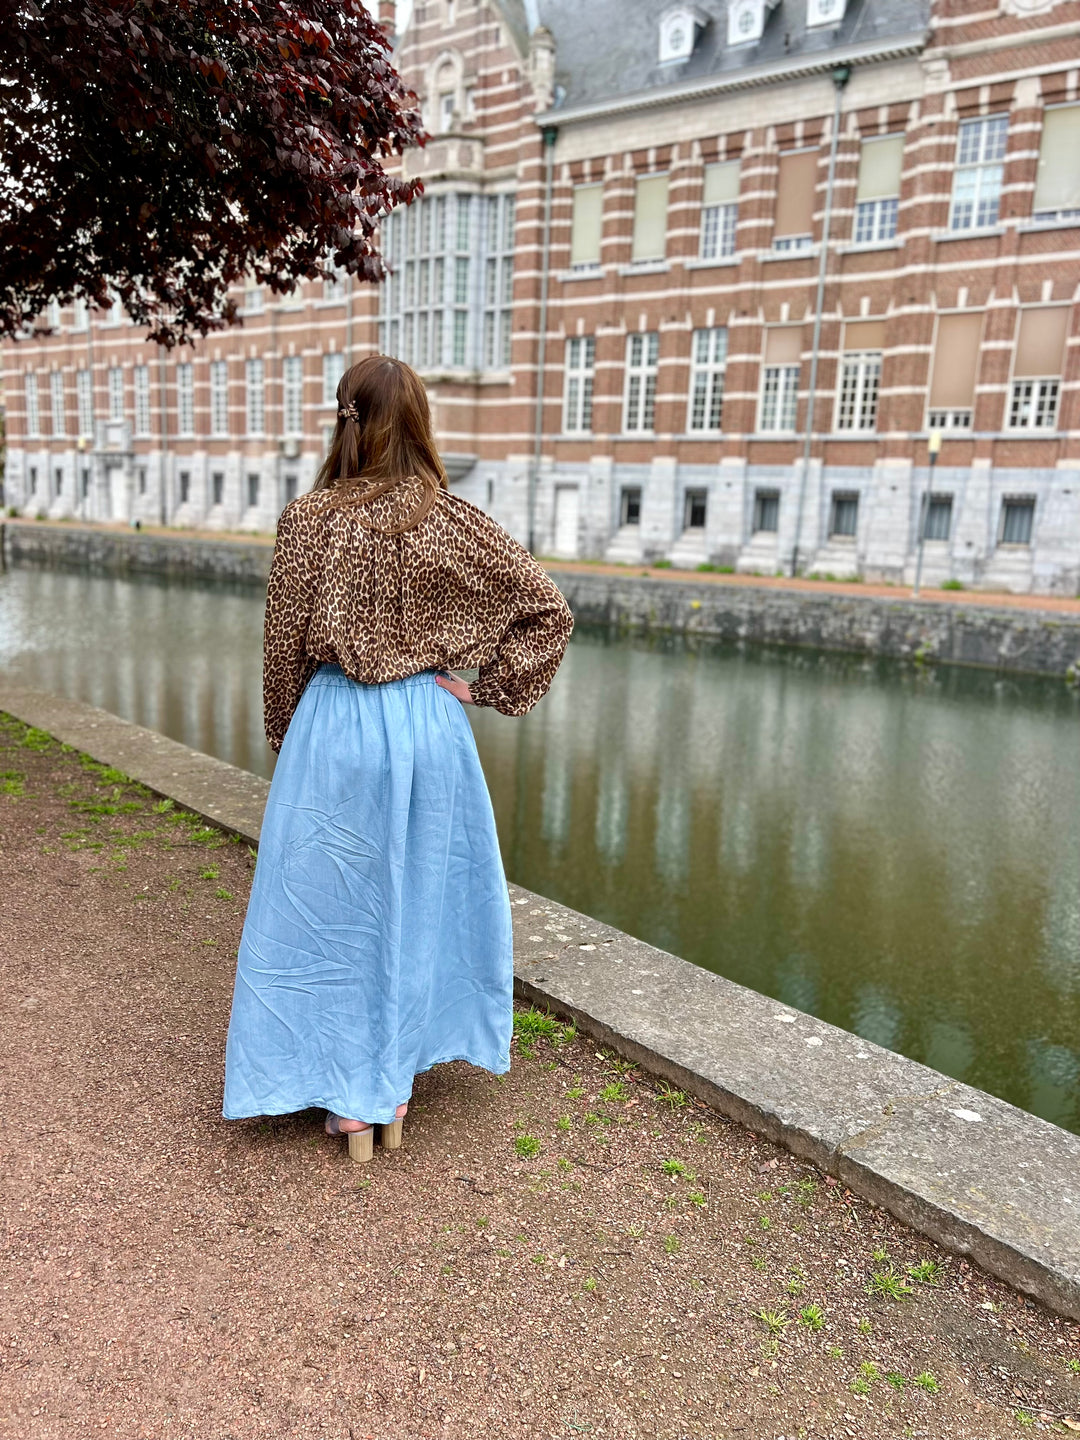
1009, 638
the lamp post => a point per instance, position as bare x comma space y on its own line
934, 447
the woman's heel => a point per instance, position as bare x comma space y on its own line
362, 1144
390, 1135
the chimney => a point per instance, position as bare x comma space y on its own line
388, 18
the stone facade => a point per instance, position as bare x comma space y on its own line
947, 300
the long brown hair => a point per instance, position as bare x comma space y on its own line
383, 436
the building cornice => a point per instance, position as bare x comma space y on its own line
706, 86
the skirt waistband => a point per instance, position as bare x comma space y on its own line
328, 674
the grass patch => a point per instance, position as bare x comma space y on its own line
673, 1167
888, 1284
532, 1025
927, 1381
526, 1147
775, 1321
812, 1317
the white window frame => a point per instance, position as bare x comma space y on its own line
579, 375
499, 214
876, 220
115, 378
1038, 409
57, 408
779, 399
292, 396
84, 401
642, 371
185, 398
718, 226
255, 396
333, 367
219, 398
981, 146
33, 404
708, 362
960, 417
140, 379
858, 390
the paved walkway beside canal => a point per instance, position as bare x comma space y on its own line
567, 1251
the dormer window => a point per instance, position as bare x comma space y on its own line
824, 12
746, 20
679, 30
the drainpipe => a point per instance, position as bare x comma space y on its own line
550, 133
840, 77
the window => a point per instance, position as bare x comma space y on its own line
956, 360
33, 479
184, 486
694, 507
719, 210
141, 380
84, 402
650, 218
586, 225
877, 196
860, 378
292, 386
980, 151
219, 397
446, 110
630, 505
1040, 348
80, 314
185, 399
255, 397
498, 280
577, 401
33, 410
253, 300
708, 356
85, 483
844, 515
253, 490
291, 486
52, 314
333, 367
58, 480
140, 477
217, 487
56, 401
795, 183
642, 357
766, 512
780, 379
1057, 186
334, 288
116, 392
1017, 520
938, 522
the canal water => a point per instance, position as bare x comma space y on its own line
893, 850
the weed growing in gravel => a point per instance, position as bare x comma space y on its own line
222, 894
526, 1147
864, 1327
895, 1379
881, 1257
1073, 1367
869, 1371
615, 1091
675, 1098
577, 1090
34, 739
928, 1272
1025, 1418
927, 1381
672, 1244
888, 1284
163, 807
673, 1167
210, 872
588, 1285
764, 1222
812, 1316
859, 1386
775, 1321
635, 1231
807, 1191
764, 1197
564, 1164
760, 1263
696, 1197
564, 1122
13, 783
834, 1352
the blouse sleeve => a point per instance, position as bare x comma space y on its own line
532, 644
289, 600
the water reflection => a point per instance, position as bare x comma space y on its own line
896, 852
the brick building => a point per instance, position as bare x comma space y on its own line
688, 281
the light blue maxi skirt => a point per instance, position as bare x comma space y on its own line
377, 941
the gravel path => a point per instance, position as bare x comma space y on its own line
566, 1251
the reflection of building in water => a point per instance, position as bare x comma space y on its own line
692, 174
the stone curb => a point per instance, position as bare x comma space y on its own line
968, 1170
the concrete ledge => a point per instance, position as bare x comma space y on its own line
975, 1174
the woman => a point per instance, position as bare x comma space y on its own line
378, 941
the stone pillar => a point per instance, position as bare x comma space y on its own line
659, 524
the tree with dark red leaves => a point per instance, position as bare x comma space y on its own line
157, 151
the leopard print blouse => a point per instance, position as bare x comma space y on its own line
454, 592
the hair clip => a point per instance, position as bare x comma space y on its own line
348, 412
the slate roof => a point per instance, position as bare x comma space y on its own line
607, 49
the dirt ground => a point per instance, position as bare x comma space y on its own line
570, 1250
